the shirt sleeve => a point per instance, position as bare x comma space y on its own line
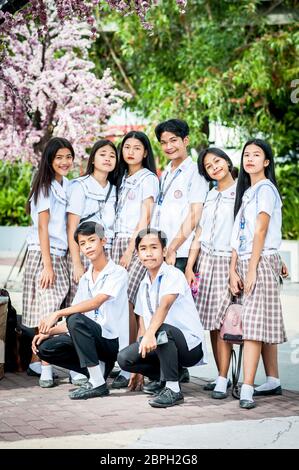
150, 187
76, 199
79, 296
115, 283
266, 200
43, 202
138, 305
173, 283
198, 189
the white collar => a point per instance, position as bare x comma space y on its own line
229, 192
92, 187
183, 166
59, 190
162, 270
108, 269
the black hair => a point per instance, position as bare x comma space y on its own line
45, 173
89, 228
90, 164
175, 126
146, 231
218, 153
244, 178
148, 162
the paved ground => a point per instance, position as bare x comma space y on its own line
31, 417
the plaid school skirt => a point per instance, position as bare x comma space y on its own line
136, 270
262, 313
213, 293
38, 303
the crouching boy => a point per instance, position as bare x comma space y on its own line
88, 341
172, 334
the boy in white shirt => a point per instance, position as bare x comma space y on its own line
172, 334
95, 332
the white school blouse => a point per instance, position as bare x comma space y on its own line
182, 314
262, 197
55, 203
133, 191
86, 197
187, 187
217, 221
113, 315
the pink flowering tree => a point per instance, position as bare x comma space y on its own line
47, 87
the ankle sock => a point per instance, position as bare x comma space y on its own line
174, 386
46, 372
221, 384
246, 392
271, 382
76, 375
95, 376
36, 367
125, 374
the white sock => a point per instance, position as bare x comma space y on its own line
125, 374
271, 382
36, 367
95, 376
246, 392
102, 366
76, 375
221, 384
46, 372
174, 386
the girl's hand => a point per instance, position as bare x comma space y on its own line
148, 344
190, 276
250, 281
46, 324
284, 270
126, 259
78, 272
136, 383
235, 283
37, 340
47, 277
170, 257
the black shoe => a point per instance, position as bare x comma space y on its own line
78, 382
166, 398
218, 395
120, 382
87, 391
247, 404
114, 372
266, 393
184, 377
154, 387
211, 385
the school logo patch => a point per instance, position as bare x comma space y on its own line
131, 194
178, 194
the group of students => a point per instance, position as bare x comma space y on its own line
112, 257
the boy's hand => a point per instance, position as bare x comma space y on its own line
47, 323
136, 383
37, 340
148, 344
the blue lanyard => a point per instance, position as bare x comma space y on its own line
148, 300
97, 310
162, 192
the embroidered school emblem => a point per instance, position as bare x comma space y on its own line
131, 194
178, 194
232, 194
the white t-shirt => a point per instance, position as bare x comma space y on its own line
262, 197
113, 315
182, 314
55, 203
134, 190
86, 197
219, 210
187, 187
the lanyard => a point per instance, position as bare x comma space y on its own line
148, 300
162, 192
97, 310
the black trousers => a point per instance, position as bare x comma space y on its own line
165, 362
85, 346
181, 264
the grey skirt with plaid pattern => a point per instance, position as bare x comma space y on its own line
136, 270
262, 313
213, 291
38, 303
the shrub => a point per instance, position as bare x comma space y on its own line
288, 182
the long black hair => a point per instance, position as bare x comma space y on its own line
45, 173
244, 178
112, 175
214, 151
148, 162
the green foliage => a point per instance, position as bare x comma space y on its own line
288, 182
14, 189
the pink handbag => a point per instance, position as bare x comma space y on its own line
231, 328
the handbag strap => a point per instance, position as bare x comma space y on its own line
236, 369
